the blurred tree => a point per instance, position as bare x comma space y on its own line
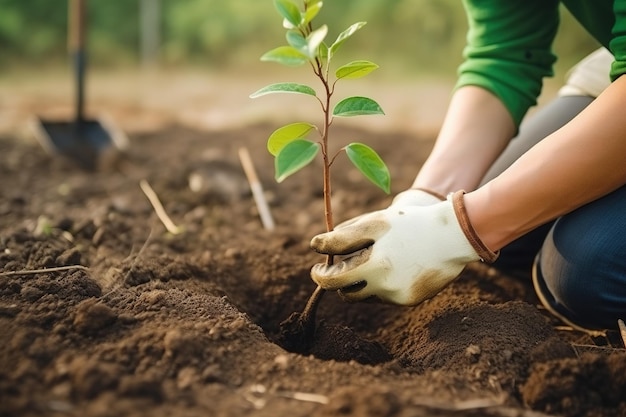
425, 35
150, 24
32, 29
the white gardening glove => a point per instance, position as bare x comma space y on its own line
416, 197
401, 255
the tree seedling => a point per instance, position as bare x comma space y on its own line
291, 145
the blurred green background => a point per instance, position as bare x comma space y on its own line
403, 36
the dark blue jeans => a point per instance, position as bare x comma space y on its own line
579, 261
580, 271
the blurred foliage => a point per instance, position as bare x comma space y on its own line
425, 35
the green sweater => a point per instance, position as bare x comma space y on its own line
509, 44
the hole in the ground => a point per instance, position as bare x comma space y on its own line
277, 291
335, 339
329, 341
342, 343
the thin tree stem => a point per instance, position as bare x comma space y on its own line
328, 211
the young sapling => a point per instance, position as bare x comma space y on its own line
290, 144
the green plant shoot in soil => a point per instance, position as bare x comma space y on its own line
290, 144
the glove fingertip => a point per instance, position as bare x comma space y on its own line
317, 243
336, 243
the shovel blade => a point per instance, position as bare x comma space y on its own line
83, 142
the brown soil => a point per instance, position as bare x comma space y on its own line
187, 324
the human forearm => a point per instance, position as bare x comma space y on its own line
476, 129
577, 164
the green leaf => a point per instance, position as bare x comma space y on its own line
289, 10
356, 106
370, 164
286, 134
284, 88
323, 51
294, 156
295, 39
314, 40
286, 55
355, 69
312, 10
345, 35
307, 46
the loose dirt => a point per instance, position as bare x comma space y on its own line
160, 324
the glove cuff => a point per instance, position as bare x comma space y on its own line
485, 254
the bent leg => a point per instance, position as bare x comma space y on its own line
580, 272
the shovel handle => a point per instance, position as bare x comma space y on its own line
76, 19
76, 45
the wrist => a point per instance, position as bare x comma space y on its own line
483, 250
488, 220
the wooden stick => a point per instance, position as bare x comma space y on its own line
257, 189
43, 270
158, 208
622, 330
304, 396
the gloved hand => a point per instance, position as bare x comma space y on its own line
401, 255
416, 197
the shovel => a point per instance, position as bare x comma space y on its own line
82, 140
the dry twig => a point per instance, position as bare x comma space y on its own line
622, 330
43, 270
581, 348
130, 270
257, 189
304, 396
586, 332
158, 208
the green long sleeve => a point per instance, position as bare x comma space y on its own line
509, 44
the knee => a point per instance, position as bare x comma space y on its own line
582, 279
